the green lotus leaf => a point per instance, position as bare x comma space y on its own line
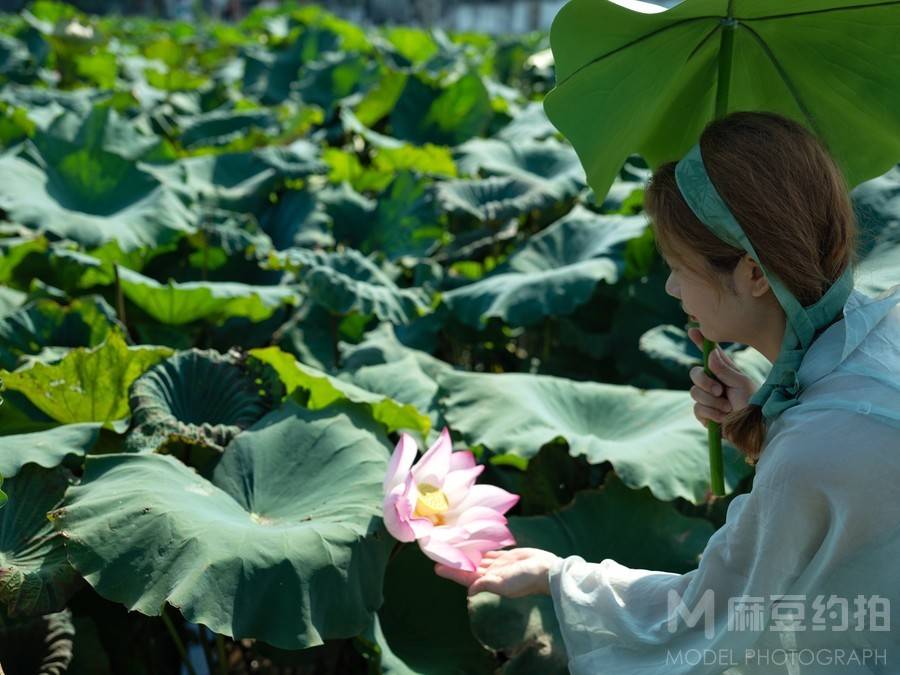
221, 127
229, 245
180, 303
44, 104
382, 345
495, 199
270, 76
548, 162
35, 577
552, 274
10, 300
405, 382
43, 645
174, 79
323, 390
650, 436
87, 385
377, 102
85, 322
530, 124
407, 222
16, 62
414, 44
377, 648
299, 218
335, 77
441, 645
197, 398
347, 281
775, 60
105, 129
309, 335
640, 303
285, 546
670, 347
445, 113
16, 248
381, 363
89, 195
239, 181
351, 213
47, 448
329, 32
428, 159
629, 526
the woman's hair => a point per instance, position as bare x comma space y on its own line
791, 200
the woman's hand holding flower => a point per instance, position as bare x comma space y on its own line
512, 574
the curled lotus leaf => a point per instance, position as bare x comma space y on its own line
494, 199
197, 398
43, 645
35, 577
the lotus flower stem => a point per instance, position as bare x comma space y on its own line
120, 299
207, 648
396, 551
714, 435
714, 430
223, 661
179, 645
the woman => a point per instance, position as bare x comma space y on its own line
757, 226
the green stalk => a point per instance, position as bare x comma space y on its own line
714, 429
120, 298
204, 644
179, 645
397, 547
714, 434
220, 648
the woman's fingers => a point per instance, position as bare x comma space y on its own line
704, 381
718, 402
487, 582
705, 413
463, 577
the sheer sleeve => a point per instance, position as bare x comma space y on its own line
807, 527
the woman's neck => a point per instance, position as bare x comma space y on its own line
768, 342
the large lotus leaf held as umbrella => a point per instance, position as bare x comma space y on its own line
832, 66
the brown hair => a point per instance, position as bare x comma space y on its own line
791, 200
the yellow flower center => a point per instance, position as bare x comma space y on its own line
432, 502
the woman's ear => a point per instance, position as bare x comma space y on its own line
758, 283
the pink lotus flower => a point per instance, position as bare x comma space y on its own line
437, 503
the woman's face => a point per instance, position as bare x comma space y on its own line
743, 309
719, 312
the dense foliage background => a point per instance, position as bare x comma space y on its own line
236, 260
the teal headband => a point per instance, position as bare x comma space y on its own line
782, 387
